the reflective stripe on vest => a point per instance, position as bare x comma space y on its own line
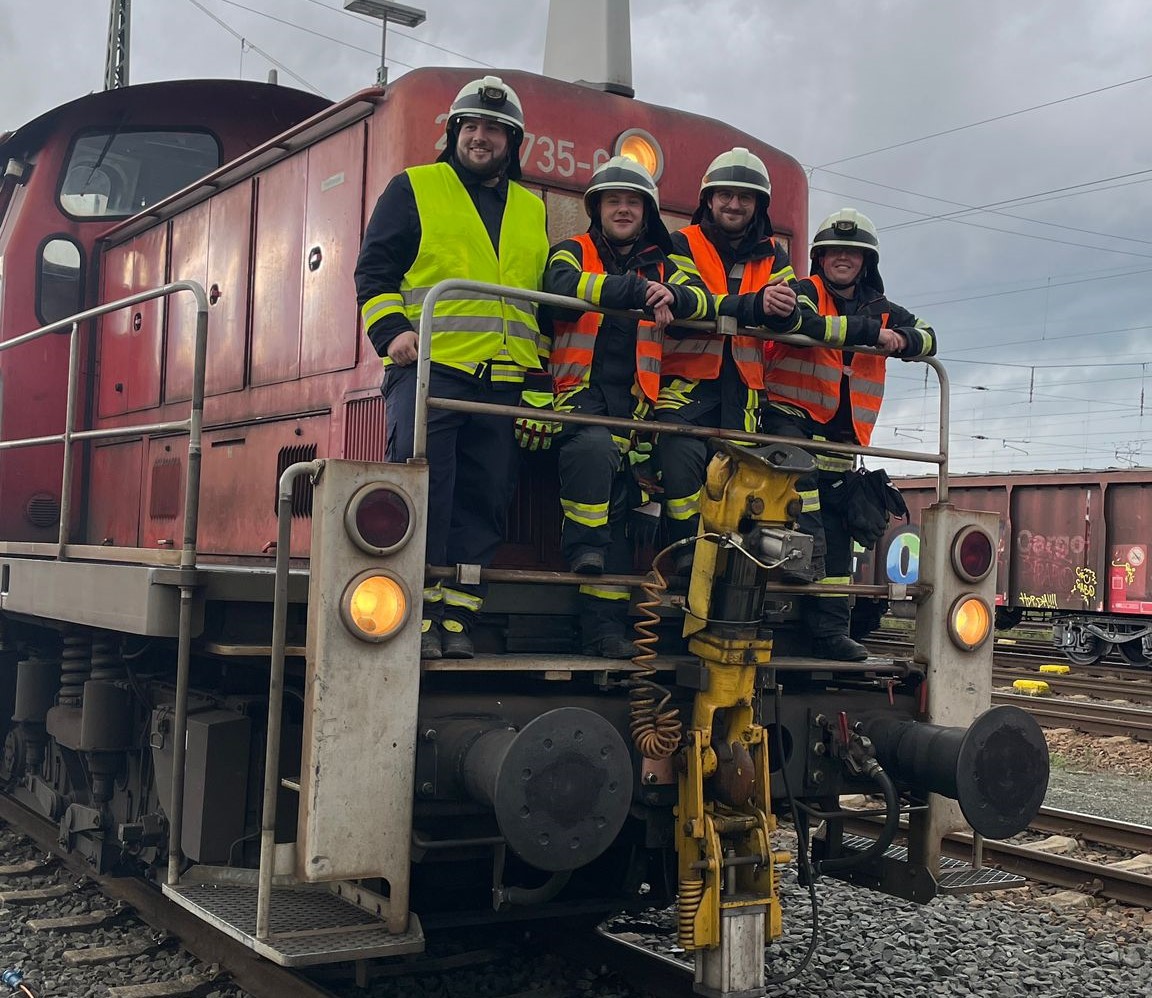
469, 329
574, 343
810, 376
699, 356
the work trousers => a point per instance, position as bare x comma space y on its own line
823, 616
723, 403
472, 462
594, 494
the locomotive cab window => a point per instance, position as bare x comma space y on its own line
59, 289
116, 174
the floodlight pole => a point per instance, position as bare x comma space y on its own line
385, 11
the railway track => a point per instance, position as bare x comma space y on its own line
1105, 880
128, 900
1094, 718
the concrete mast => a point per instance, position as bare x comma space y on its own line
590, 42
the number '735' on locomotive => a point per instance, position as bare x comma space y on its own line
210, 583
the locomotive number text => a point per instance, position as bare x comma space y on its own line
545, 154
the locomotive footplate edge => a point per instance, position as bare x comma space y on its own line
310, 924
893, 874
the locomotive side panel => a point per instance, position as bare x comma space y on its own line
276, 287
211, 244
330, 327
131, 341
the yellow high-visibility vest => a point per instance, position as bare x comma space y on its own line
469, 329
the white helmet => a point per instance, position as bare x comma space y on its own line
849, 227
738, 168
624, 173
488, 97
621, 173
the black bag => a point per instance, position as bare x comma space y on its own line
866, 500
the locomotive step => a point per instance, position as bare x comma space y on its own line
309, 924
956, 876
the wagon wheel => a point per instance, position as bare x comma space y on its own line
1089, 653
1133, 653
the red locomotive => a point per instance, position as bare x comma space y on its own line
192, 509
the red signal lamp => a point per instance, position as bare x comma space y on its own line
973, 553
379, 518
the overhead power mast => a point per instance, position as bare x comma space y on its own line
119, 32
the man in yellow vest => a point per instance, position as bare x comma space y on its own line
610, 366
829, 392
708, 379
463, 216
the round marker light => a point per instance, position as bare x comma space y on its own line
374, 606
973, 554
969, 622
379, 518
640, 147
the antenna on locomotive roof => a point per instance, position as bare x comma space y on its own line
590, 42
119, 32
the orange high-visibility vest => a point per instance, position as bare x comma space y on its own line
809, 377
700, 355
574, 343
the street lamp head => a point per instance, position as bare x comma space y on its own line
385, 10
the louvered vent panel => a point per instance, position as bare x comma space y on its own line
42, 510
164, 503
365, 433
302, 485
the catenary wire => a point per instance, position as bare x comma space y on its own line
991, 209
979, 225
402, 34
986, 121
311, 31
255, 48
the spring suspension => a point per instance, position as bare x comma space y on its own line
656, 727
75, 668
691, 896
106, 661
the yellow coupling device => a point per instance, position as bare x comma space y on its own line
726, 863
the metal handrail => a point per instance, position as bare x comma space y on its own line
193, 426
424, 400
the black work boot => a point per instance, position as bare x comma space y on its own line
455, 642
430, 646
610, 646
838, 648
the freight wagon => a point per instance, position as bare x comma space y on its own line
1073, 549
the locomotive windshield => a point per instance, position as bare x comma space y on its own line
116, 174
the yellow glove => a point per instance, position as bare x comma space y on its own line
532, 432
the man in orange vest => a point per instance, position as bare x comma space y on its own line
827, 392
708, 379
609, 366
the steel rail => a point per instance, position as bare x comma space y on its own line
723, 327
1104, 719
1052, 869
1103, 831
1133, 690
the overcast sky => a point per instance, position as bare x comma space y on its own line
1042, 305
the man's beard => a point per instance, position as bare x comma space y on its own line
493, 168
